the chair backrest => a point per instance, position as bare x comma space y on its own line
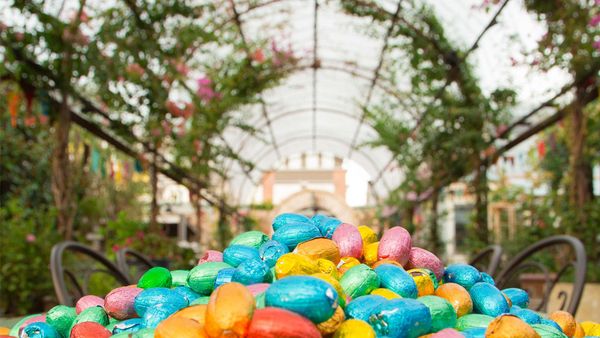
73, 272
492, 255
133, 263
550, 258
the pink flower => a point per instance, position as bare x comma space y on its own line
30, 238
258, 56
596, 45
594, 21
139, 234
205, 90
116, 248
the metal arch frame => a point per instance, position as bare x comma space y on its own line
139, 257
495, 253
305, 137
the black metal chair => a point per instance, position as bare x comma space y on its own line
550, 267
72, 273
492, 255
133, 263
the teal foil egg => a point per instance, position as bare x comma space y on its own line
154, 315
488, 300
157, 297
130, 325
224, 276
396, 279
287, 218
401, 318
252, 239
294, 233
462, 274
40, 330
442, 313
473, 320
252, 271
308, 296
474, 332
202, 277
362, 307
548, 331
271, 251
187, 293
550, 322
327, 226
486, 278
528, 316
234, 255
518, 297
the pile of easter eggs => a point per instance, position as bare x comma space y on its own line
316, 277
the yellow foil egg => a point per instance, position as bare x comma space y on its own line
346, 263
509, 326
591, 328
565, 320
327, 267
354, 328
386, 293
370, 253
336, 285
367, 234
424, 283
229, 311
332, 324
319, 248
196, 312
292, 264
179, 327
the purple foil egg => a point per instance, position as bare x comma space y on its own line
88, 301
349, 241
119, 302
421, 258
211, 256
395, 245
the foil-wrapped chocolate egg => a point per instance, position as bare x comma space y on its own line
486, 278
331, 325
319, 248
370, 253
442, 313
254, 239
308, 296
92, 314
127, 326
327, 267
425, 285
258, 288
119, 302
15, 331
347, 237
292, 264
387, 261
179, 277
488, 300
336, 285
155, 297
287, 218
385, 293
474, 332
195, 312
89, 329
395, 244
326, 225
39, 330
234, 255
548, 331
579, 333
359, 281
61, 317
292, 234
179, 327
509, 326
202, 277
362, 307
463, 274
211, 256
187, 293
346, 263
565, 320
401, 318
458, 296
271, 251
273, 322
229, 311
156, 277
203, 300
473, 320
528, 316
446, 333
518, 297
88, 301
591, 328
354, 328
550, 322
396, 279
252, 271
421, 258
367, 234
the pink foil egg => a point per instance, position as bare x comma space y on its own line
447, 333
259, 288
119, 302
88, 301
211, 256
40, 318
421, 258
395, 245
349, 241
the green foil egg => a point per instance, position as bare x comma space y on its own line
94, 314
61, 317
360, 280
473, 320
442, 313
144, 333
157, 277
250, 238
200, 301
202, 278
179, 277
547, 331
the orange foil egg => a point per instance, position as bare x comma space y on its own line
509, 326
229, 311
386, 261
292, 264
179, 327
370, 253
196, 313
346, 263
319, 248
271, 322
331, 325
458, 296
566, 322
579, 333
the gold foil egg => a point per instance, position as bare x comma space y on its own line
367, 234
327, 267
370, 253
354, 328
319, 248
332, 324
424, 283
386, 293
292, 264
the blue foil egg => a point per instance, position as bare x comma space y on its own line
223, 277
401, 318
286, 218
463, 274
486, 278
156, 297
153, 316
292, 234
186, 292
518, 297
397, 279
129, 325
308, 296
550, 322
474, 332
252, 271
271, 251
328, 226
236, 254
362, 307
39, 330
528, 316
488, 300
